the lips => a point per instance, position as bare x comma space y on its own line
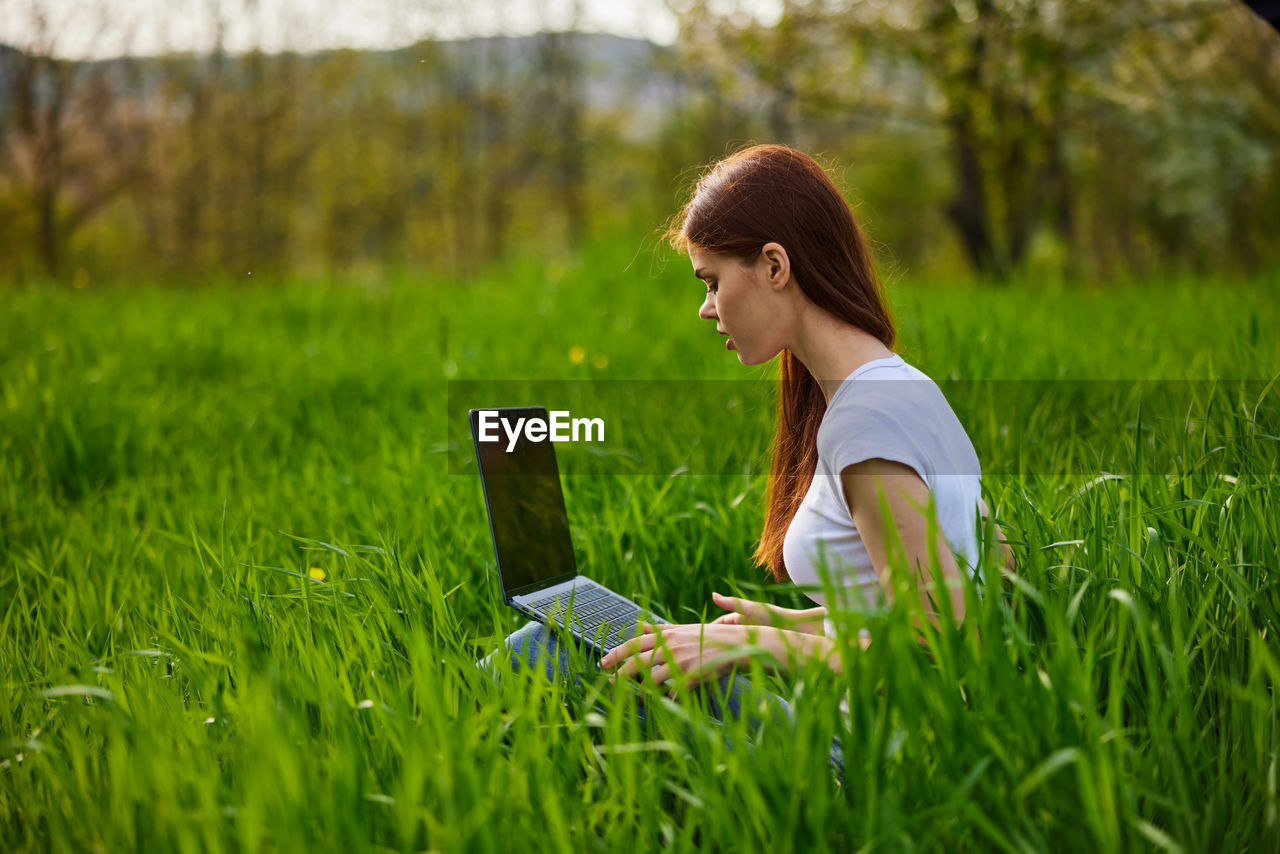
729, 345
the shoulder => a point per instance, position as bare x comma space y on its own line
887, 408
888, 391
897, 414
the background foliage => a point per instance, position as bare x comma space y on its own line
1085, 140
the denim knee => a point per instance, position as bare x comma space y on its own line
536, 648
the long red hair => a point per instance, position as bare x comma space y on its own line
772, 193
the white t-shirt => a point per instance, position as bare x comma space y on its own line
886, 409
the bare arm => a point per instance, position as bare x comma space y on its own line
907, 497
703, 651
754, 623
791, 648
745, 612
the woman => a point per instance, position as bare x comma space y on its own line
788, 274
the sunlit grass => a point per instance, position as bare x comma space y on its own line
241, 598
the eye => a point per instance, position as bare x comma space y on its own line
712, 287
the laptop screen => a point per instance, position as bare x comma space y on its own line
526, 507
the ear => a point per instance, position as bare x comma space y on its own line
777, 265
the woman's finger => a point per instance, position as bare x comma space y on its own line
627, 649
643, 658
628, 668
666, 673
729, 603
640, 662
751, 612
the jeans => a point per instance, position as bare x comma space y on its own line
536, 648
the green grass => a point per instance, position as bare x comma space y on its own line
173, 463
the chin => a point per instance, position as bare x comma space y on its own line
750, 359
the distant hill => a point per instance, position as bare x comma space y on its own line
616, 73
616, 70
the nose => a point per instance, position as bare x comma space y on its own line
708, 309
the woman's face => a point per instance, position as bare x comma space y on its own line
741, 302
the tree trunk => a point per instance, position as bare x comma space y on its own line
968, 210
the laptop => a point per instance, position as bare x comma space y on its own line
530, 528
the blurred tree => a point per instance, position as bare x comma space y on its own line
68, 145
1056, 114
185, 207
557, 120
501, 170
1002, 136
228, 191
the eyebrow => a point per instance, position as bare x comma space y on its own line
701, 273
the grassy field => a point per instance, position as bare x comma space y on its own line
241, 592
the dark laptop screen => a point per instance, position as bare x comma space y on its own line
526, 507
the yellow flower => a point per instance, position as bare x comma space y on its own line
577, 354
317, 573
600, 361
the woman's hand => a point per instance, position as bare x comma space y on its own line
748, 613
698, 651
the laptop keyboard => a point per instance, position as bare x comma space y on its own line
594, 608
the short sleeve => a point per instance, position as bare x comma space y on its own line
874, 423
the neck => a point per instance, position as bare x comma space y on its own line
832, 349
